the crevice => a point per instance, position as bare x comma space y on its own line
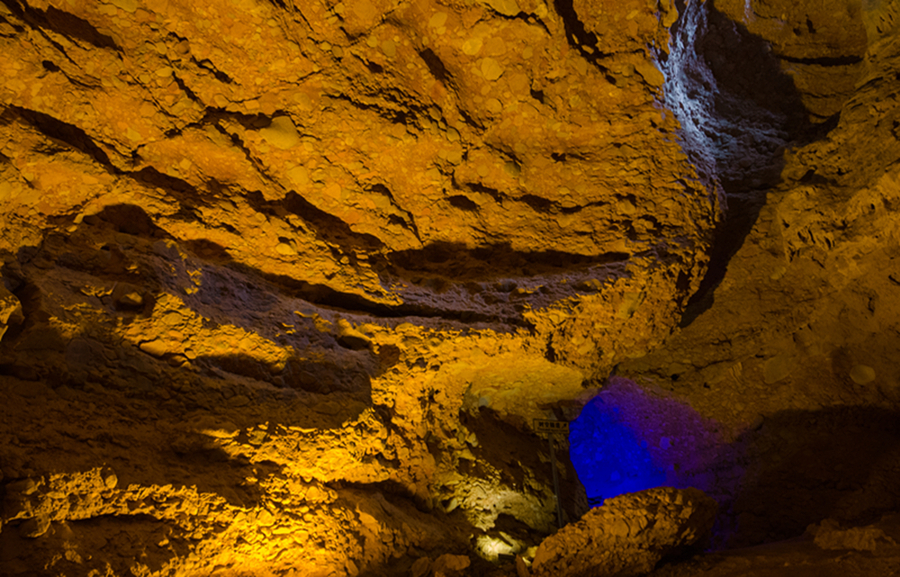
373, 67
436, 66
150, 177
824, 61
539, 204
248, 154
207, 65
499, 261
410, 222
405, 113
735, 125
18, 29
184, 88
533, 19
62, 23
478, 187
567, 156
329, 228
577, 35
463, 202
69, 134
343, 242
329, 298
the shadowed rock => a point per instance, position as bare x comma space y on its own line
628, 535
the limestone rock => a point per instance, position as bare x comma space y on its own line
449, 565
303, 273
35, 526
791, 344
628, 535
829, 535
10, 310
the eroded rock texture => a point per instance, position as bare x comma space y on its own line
791, 347
286, 283
826, 549
628, 535
292, 273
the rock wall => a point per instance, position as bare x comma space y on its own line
285, 284
790, 348
295, 278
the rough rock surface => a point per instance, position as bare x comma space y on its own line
789, 348
10, 310
289, 281
826, 550
300, 275
465, 164
628, 535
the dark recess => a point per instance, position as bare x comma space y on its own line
500, 261
761, 85
61, 23
435, 65
64, 132
462, 202
576, 34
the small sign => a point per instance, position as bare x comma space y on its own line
547, 427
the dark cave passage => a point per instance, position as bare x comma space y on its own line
742, 103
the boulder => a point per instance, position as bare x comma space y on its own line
628, 535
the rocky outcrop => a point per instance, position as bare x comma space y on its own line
628, 535
480, 165
10, 310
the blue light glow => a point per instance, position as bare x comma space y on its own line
608, 456
627, 440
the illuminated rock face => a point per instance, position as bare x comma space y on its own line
286, 283
628, 535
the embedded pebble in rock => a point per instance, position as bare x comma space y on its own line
281, 133
862, 374
777, 368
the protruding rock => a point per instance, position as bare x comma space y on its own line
420, 568
128, 296
351, 338
628, 535
829, 535
110, 480
34, 527
10, 310
450, 565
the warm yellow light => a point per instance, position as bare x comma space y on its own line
490, 548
